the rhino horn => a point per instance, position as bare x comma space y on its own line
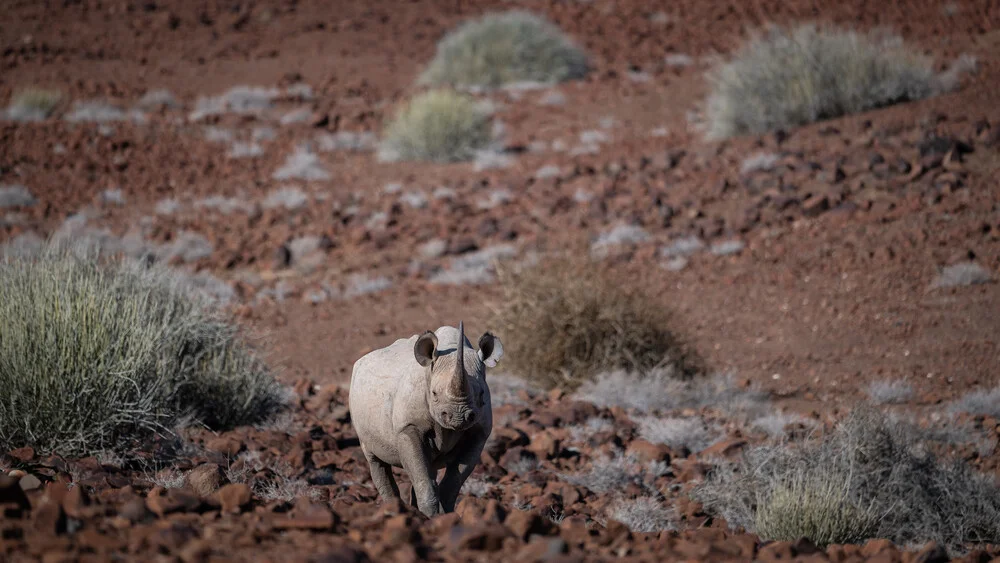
458, 388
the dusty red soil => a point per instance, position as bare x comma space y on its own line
843, 238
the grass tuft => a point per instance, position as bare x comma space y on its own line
643, 514
871, 477
437, 126
95, 354
499, 49
568, 320
33, 104
790, 77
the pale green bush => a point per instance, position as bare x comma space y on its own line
95, 354
503, 48
438, 126
791, 77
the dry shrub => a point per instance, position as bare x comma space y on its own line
503, 48
33, 104
791, 77
437, 126
566, 320
871, 477
98, 354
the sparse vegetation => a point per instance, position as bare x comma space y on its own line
95, 354
979, 402
791, 77
643, 514
691, 433
613, 473
437, 126
33, 104
889, 392
870, 477
504, 48
660, 390
569, 320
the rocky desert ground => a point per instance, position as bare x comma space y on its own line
816, 269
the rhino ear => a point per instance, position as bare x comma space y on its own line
425, 349
490, 349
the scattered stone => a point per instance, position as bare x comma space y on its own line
296, 116
16, 195
205, 479
242, 149
553, 98
233, 497
30, 483
618, 236
99, 111
433, 249
347, 141
678, 60
490, 160
761, 161
474, 267
302, 165
496, 198
218, 134
289, 198
962, 274
155, 99
167, 206
548, 171
682, 247
725, 248
111, 197
414, 199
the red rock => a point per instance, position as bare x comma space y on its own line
233, 497
542, 549
12, 498
931, 553
646, 451
228, 446
76, 503
162, 502
483, 537
325, 459
306, 515
882, 548
30, 483
134, 510
544, 445
400, 529
776, 551
23, 454
49, 519
343, 554
493, 512
524, 523
724, 448
205, 479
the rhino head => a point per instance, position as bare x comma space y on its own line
453, 400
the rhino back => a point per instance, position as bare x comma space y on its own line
380, 379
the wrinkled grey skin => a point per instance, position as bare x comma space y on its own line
413, 408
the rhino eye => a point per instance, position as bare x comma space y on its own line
434, 393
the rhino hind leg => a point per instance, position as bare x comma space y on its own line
385, 483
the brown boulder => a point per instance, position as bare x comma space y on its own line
205, 479
526, 523
12, 498
482, 537
233, 497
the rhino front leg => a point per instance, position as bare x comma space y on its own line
457, 472
416, 463
383, 479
